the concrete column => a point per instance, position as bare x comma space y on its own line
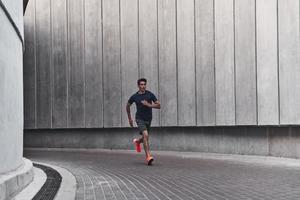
15, 172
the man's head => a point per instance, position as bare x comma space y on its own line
142, 84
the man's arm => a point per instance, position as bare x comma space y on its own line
156, 104
129, 114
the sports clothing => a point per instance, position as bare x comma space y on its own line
143, 112
143, 125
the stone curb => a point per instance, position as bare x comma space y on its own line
15, 181
67, 190
30, 191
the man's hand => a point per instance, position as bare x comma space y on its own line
154, 105
146, 103
130, 122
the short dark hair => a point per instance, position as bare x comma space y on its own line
141, 80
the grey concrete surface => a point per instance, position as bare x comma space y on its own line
93, 65
15, 172
186, 62
267, 141
224, 62
267, 47
68, 187
14, 181
205, 62
148, 48
245, 62
43, 64
210, 63
11, 96
167, 62
30, 68
129, 51
112, 89
30, 190
106, 174
59, 64
289, 60
15, 9
76, 64
66, 191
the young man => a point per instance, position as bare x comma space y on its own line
145, 101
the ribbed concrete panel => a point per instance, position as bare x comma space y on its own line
289, 61
205, 66
29, 67
224, 62
148, 49
111, 64
186, 63
208, 62
167, 62
59, 63
267, 66
93, 64
245, 62
76, 64
43, 64
129, 53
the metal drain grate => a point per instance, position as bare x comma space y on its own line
51, 186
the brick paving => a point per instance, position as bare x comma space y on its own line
122, 175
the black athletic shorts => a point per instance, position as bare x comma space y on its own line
143, 125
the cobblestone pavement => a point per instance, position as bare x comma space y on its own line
123, 175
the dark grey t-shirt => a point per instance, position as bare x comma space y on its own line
142, 112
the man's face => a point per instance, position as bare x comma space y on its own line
142, 86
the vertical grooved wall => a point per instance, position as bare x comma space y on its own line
209, 62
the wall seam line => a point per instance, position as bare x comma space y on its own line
214, 55
157, 56
120, 62
51, 64
66, 59
278, 63
138, 35
195, 66
256, 78
83, 63
68, 56
176, 43
102, 64
35, 66
234, 62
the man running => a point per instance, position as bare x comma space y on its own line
145, 101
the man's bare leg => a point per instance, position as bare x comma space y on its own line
140, 140
146, 143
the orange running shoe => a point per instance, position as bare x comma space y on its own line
149, 160
137, 145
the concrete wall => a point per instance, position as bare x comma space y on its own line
222, 69
11, 88
211, 63
15, 9
262, 140
16, 172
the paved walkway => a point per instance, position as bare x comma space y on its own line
123, 175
